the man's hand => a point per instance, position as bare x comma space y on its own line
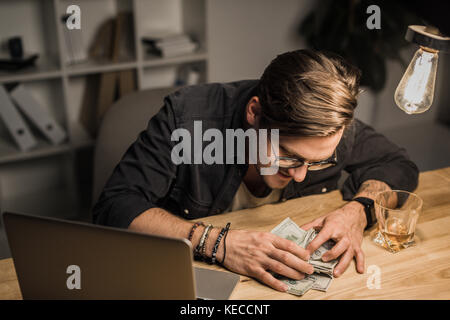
345, 226
255, 253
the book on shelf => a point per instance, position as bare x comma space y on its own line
167, 45
37, 115
14, 122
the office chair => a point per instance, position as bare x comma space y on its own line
119, 128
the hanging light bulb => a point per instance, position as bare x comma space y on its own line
415, 91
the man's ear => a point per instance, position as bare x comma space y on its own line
253, 112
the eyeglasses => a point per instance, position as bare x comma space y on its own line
291, 163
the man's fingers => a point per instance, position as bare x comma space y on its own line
344, 262
360, 260
313, 224
292, 261
338, 249
308, 225
323, 236
283, 270
292, 247
265, 277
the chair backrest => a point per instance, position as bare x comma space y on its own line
119, 128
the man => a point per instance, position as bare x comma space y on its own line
310, 98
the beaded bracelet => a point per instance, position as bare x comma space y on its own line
204, 243
199, 247
216, 245
195, 226
224, 246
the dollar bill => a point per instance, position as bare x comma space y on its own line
288, 229
313, 281
323, 271
321, 281
316, 261
299, 287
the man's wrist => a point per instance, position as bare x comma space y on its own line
358, 207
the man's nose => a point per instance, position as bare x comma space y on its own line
299, 173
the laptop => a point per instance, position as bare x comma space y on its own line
58, 259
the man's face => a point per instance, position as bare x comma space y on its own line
306, 148
310, 149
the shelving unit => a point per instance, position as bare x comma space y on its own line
60, 87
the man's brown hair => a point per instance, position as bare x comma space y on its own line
308, 93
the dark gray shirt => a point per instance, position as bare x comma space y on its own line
146, 177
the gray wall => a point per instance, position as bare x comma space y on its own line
245, 35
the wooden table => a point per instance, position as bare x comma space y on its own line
420, 272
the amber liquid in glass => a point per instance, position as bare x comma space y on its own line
397, 234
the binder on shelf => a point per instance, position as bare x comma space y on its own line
38, 115
15, 123
74, 43
168, 45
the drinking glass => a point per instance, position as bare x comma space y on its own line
397, 212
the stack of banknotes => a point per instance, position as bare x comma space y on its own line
323, 271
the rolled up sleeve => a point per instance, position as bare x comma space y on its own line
373, 156
143, 177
